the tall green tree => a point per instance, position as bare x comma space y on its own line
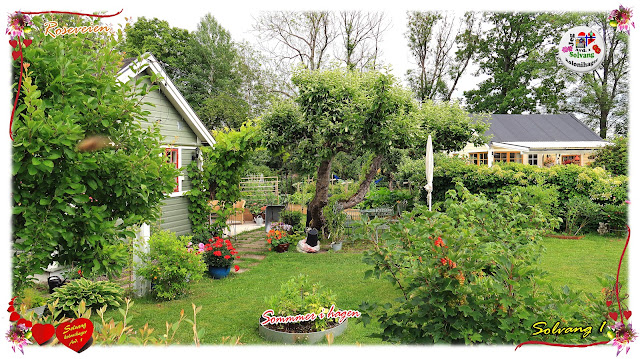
71, 205
170, 45
338, 111
223, 81
363, 114
441, 50
518, 53
603, 95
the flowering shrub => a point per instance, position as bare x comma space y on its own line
218, 252
278, 234
171, 265
466, 275
276, 237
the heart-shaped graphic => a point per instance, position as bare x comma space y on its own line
627, 314
75, 334
14, 316
27, 42
42, 333
11, 309
613, 315
13, 43
609, 303
16, 54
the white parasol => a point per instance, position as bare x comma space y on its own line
429, 170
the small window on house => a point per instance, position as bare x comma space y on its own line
479, 158
571, 159
172, 157
533, 159
507, 157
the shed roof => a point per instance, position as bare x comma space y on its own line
539, 128
132, 67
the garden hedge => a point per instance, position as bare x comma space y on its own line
569, 180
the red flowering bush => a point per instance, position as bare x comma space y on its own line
465, 275
218, 252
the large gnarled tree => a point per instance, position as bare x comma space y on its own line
339, 111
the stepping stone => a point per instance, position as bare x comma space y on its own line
241, 270
252, 256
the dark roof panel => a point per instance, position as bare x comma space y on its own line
536, 127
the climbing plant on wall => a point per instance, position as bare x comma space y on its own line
219, 179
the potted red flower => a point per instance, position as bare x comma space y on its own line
219, 255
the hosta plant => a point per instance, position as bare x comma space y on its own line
94, 294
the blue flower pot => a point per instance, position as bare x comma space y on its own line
219, 272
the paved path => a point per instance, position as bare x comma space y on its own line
252, 248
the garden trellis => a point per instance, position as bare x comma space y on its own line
260, 189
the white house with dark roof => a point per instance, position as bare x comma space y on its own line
536, 140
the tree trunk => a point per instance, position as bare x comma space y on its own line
604, 114
322, 196
364, 185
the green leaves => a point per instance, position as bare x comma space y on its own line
81, 292
66, 198
466, 274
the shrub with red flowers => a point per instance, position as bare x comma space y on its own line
218, 252
466, 275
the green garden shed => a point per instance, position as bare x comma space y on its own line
183, 135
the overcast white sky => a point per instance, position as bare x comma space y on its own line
237, 17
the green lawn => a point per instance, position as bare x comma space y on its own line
232, 306
577, 263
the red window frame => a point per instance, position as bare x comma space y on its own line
172, 157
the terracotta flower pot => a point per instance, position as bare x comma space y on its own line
282, 248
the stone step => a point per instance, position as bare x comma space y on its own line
252, 256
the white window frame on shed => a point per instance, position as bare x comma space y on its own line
180, 192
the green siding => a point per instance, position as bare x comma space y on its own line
186, 160
175, 215
177, 133
175, 130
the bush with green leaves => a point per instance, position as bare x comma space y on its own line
384, 197
294, 219
72, 203
542, 197
581, 212
171, 265
220, 176
466, 275
569, 181
615, 157
616, 215
299, 296
95, 294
